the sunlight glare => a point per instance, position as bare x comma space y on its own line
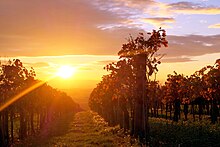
66, 71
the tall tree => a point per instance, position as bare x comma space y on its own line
142, 51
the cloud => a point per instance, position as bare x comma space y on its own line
54, 27
137, 3
207, 44
176, 59
111, 4
203, 21
86, 68
133, 13
214, 26
159, 21
192, 45
139, 8
193, 8
105, 62
38, 64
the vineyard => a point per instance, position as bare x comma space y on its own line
138, 109
183, 111
27, 116
110, 73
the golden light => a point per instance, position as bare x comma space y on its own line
66, 71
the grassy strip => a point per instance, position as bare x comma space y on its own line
85, 129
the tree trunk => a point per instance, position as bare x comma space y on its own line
32, 123
151, 112
1, 130
200, 111
157, 112
166, 109
170, 111
132, 122
12, 125
38, 121
176, 110
193, 112
125, 117
6, 127
140, 116
185, 110
214, 112
42, 119
121, 118
23, 130
207, 108
155, 109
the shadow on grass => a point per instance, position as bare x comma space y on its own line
50, 130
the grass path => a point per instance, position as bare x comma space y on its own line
84, 129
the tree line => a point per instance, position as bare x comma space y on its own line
130, 93
198, 94
29, 114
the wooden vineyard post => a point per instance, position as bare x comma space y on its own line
140, 113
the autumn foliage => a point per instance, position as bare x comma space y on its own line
121, 96
130, 94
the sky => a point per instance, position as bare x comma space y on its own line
87, 34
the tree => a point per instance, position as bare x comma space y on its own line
213, 79
142, 52
14, 80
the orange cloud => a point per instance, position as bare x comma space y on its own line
159, 21
176, 59
55, 28
205, 11
215, 26
164, 9
38, 64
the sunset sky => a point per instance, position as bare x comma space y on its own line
87, 34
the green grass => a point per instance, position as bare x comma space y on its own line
184, 133
83, 129
87, 129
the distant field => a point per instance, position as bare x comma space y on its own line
80, 95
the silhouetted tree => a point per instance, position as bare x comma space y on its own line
126, 87
15, 79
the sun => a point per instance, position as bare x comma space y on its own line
66, 71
